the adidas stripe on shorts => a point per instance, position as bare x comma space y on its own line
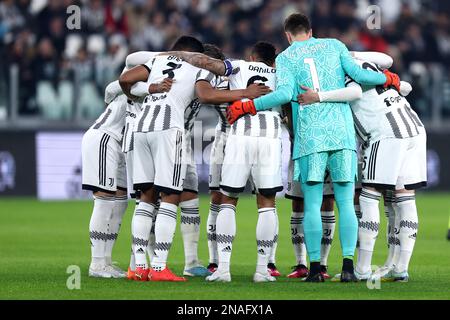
103, 162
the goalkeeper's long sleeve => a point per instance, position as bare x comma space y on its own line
285, 87
362, 76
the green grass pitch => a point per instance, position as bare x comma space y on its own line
39, 240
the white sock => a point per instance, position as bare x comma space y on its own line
190, 231
405, 207
151, 238
165, 225
392, 237
328, 226
211, 233
140, 230
98, 227
120, 206
225, 234
273, 253
132, 259
298, 237
358, 216
265, 234
369, 225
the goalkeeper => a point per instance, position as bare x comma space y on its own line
324, 132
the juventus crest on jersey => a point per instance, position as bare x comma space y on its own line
383, 112
163, 111
264, 124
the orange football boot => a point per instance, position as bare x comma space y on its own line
130, 274
164, 275
141, 274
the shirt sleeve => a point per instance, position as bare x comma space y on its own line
285, 87
205, 75
348, 94
360, 75
149, 64
380, 59
138, 58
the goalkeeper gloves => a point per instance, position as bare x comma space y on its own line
240, 108
392, 79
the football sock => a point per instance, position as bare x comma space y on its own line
165, 226
211, 232
132, 259
392, 237
190, 231
368, 228
225, 234
405, 206
358, 217
98, 227
265, 235
151, 239
348, 223
312, 223
140, 230
273, 253
328, 226
120, 206
298, 237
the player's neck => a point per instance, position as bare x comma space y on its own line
301, 37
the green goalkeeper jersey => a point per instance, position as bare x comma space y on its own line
320, 64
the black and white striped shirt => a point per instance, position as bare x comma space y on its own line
163, 111
383, 112
263, 124
112, 120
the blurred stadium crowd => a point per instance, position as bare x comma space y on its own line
58, 69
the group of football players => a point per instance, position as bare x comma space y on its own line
142, 143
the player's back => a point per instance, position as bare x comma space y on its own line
112, 120
267, 123
383, 112
316, 63
163, 111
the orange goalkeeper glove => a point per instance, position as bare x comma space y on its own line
238, 109
392, 79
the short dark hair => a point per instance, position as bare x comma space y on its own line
213, 51
188, 43
297, 23
265, 51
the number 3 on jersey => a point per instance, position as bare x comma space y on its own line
312, 68
170, 71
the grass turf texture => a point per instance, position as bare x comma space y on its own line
39, 240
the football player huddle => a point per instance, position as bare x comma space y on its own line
325, 96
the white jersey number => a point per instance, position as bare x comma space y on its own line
312, 68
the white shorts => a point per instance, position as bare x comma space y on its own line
216, 160
258, 158
392, 163
294, 187
159, 160
103, 163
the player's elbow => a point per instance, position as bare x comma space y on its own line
204, 97
125, 81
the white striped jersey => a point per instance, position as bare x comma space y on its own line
263, 124
132, 112
382, 112
220, 83
163, 111
112, 120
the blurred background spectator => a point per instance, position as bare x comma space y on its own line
61, 74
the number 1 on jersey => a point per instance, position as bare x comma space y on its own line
312, 68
